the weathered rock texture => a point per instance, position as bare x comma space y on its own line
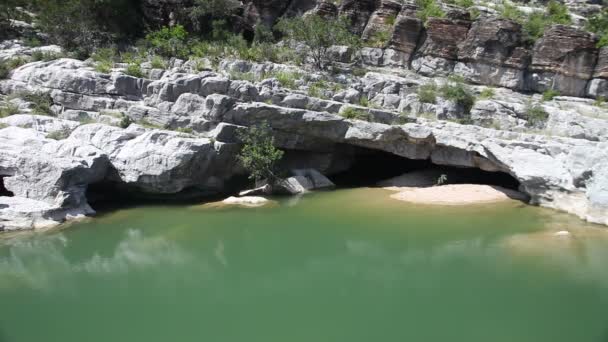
48, 178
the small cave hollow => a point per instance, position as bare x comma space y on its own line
369, 167
4, 192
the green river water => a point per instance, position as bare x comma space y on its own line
342, 266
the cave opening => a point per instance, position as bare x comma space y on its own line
4, 192
369, 167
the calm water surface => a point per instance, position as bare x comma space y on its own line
341, 266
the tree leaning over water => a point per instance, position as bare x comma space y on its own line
259, 155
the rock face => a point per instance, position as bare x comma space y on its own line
48, 179
493, 54
563, 59
439, 52
406, 35
358, 12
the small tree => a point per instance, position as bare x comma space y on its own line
259, 154
319, 34
169, 41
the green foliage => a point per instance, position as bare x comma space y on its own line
487, 93
548, 95
259, 155
317, 89
427, 93
245, 76
8, 109
41, 103
45, 56
104, 67
474, 13
380, 39
598, 24
599, 101
158, 62
4, 70
125, 121
364, 101
185, 130
534, 25
205, 12
509, 11
465, 3
262, 33
82, 26
354, 113
428, 9
8, 65
134, 69
558, 13
287, 79
318, 34
169, 42
61, 134
390, 20
536, 115
455, 90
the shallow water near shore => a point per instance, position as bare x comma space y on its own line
348, 265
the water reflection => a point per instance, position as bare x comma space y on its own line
39, 261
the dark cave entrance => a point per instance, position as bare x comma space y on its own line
3, 191
368, 167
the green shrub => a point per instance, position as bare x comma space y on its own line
186, 130
428, 9
61, 134
262, 33
259, 154
45, 56
125, 121
390, 20
82, 26
558, 13
455, 90
534, 25
598, 24
287, 79
104, 55
158, 62
244, 76
134, 69
364, 101
104, 67
319, 34
548, 95
427, 93
317, 89
536, 115
4, 70
354, 113
41, 103
599, 101
8, 109
487, 93
169, 42
15, 62
465, 3
380, 39
511, 12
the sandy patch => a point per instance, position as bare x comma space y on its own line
456, 194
